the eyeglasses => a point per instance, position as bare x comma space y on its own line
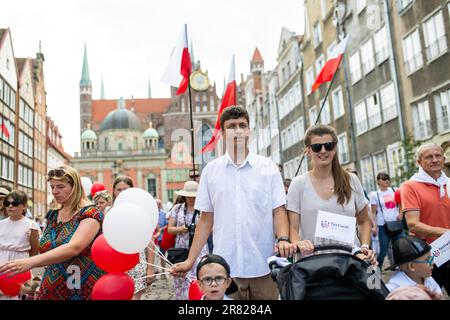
59, 173
428, 261
15, 203
317, 147
207, 281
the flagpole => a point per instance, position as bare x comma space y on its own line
191, 116
318, 115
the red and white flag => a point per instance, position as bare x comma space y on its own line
332, 64
5, 130
179, 68
229, 99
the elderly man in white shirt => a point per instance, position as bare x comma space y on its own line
241, 196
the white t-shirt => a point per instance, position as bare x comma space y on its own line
242, 199
304, 200
388, 205
401, 279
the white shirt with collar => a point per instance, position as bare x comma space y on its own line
242, 199
401, 279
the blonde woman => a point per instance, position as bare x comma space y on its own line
102, 200
65, 245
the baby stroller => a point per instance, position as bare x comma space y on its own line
331, 273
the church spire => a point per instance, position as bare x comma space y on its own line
85, 78
102, 91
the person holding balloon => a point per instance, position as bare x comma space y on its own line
19, 236
65, 246
146, 256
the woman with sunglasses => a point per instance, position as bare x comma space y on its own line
19, 236
384, 209
65, 245
328, 187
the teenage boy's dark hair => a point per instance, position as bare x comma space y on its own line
233, 112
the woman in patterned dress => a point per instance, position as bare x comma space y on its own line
65, 246
141, 270
181, 216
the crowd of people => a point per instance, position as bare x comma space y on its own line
229, 222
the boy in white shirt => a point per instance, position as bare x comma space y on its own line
413, 257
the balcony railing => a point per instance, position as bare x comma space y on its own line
124, 153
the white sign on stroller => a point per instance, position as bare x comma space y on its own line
335, 227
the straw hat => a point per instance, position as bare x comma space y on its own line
4, 192
189, 190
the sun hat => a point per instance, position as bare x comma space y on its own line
4, 191
407, 249
189, 190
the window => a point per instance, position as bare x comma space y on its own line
435, 38
325, 116
395, 159
355, 67
360, 5
205, 103
361, 118
421, 120
442, 104
289, 70
317, 35
367, 59
344, 156
309, 79
331, 48
412, 52
388, 102
301, 128
283, 139
183, 105
403, 4
367, 177
381, 45
379, 161
197, 103
373, 111
211, 103
312, 116
338, 103
320, 62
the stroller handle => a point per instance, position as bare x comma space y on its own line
323, 247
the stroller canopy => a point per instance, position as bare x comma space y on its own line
331, 276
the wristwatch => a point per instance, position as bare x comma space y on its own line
282, 238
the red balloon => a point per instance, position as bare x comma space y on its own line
22, 277
9, 286
96, 187
194, 291
113, 286
397, 196
110, 260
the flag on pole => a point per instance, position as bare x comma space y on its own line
229, 99
5, 130
179, 68
332, 64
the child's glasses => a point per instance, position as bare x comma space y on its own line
207, 281
429, 260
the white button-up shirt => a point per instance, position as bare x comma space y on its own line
242, 200
401, 279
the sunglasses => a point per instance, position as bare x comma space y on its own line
385, 179
59, 173
317, 147
15, 203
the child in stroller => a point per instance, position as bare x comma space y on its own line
333, 272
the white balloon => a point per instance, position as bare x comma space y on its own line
127, 228
87, 185
142, 198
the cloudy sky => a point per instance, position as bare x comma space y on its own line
129, 43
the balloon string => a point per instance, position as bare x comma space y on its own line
153, 275
154, 265
159, 253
